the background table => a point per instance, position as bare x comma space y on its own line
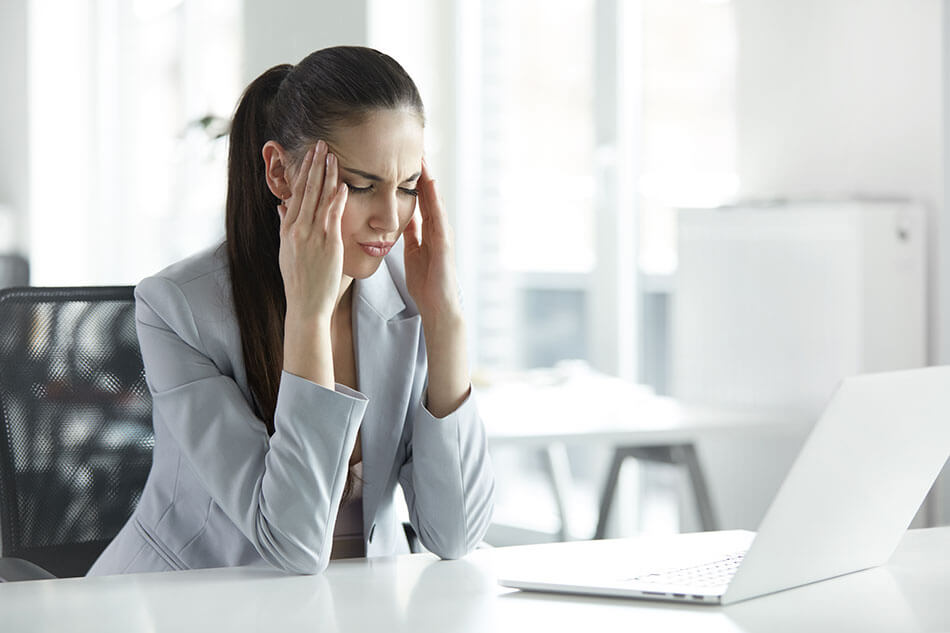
544, 412
420, 594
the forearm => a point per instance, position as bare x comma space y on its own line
449, 380
449, 483
308, 350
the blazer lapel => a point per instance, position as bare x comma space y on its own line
386, 349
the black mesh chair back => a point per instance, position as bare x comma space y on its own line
75, 423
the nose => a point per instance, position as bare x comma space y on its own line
385, 216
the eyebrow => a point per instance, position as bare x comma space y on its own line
374, 177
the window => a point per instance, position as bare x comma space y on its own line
532, 177
585, 124
128, 100
689, 111
595, 120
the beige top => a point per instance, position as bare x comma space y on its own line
348, 531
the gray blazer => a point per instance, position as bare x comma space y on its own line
221, 492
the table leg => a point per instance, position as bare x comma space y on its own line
610, 490
676, 454
686, 454
559, 473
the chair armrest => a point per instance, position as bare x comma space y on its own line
415, 546
14, 569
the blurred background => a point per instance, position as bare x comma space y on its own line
733, 203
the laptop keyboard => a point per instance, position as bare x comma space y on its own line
713, 574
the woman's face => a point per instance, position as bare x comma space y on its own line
380, 161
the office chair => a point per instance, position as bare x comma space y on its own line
75, 426
76, 434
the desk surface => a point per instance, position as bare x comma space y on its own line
419, 594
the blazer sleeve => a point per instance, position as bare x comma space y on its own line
448, 479
281, 491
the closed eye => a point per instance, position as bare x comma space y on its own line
405, 190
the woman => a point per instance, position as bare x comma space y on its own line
303, 368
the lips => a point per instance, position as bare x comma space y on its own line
376, 249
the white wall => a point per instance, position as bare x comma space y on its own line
840, 97
845, 97
286, 31
14, 123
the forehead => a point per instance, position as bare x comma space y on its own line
387, 143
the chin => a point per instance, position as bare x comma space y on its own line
364, 268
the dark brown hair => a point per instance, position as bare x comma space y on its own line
295, 106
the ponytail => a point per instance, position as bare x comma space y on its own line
253, 243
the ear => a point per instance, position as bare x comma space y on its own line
277, 169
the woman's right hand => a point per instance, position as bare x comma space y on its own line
311, 248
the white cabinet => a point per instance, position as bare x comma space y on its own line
774, 304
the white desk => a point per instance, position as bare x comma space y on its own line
540, 413
419, 594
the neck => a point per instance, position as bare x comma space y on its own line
343, 296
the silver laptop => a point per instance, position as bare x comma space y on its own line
857, 483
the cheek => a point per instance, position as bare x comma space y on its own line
353, 216
405, 213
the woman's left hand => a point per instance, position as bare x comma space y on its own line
430, 277
429, 256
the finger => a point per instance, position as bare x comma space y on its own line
335, 213
296, 192
413, 233
314, 186
431, 206
427, 190
426, 171
330, 182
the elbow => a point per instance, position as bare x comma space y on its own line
470, 537
300, 563
449, 551
291, 555
454, 549
453, 554
480, 518
456, 523
308, 566
440, 543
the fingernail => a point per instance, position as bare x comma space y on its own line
321, 146
330, 159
